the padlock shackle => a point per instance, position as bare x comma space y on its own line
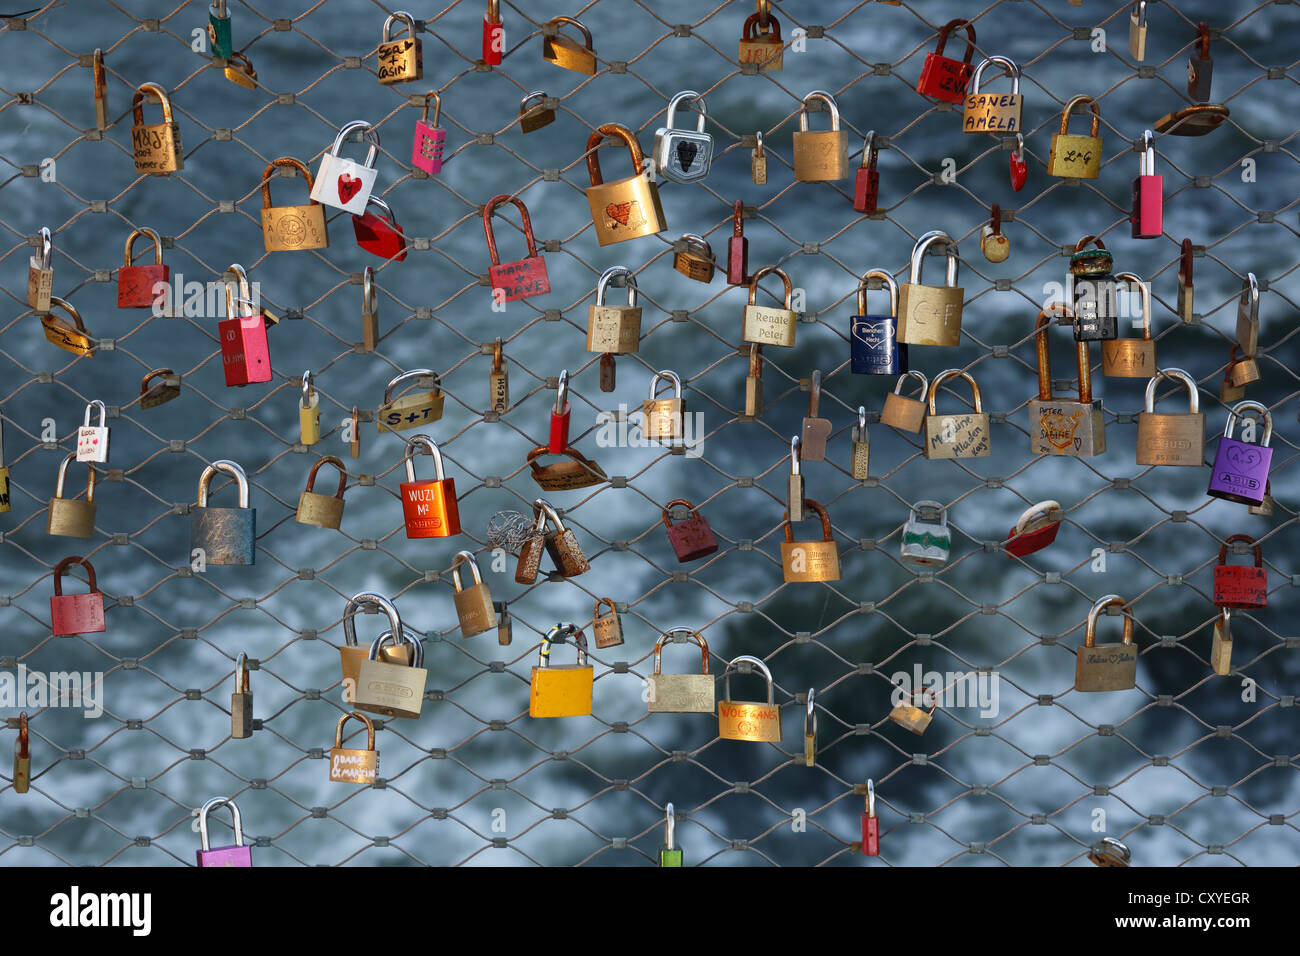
1144, 290
524, 218
561, 405
618, 131
683, 97
165, 373
629, 280
1110, 600
1242, 408
437, 107
397, 638
90, 572
343, 475
230, 468
871, 798
1080, 101
860, 429
355, 715
826, 98
498, 355
913, 373
1009, 68
523, 103
796, 454
929, 504
360, 600
1147, 163
307, 390
386, 210
586, 34
368, 131
68, 307
869, 150
1203, 38
408, 22
693, 635
465, 557
887, 281
947, 28
63, 471
753, 662
1044, 508
1223, 549
219, 6
737, 221
1140, 7
671, 376
754, 25
810, 505
102, 412
214, 804
415, 373
1083, 362
1174, 375
434, 450
156, 92
810, 714
667, 518
1185, 263
559, 634
923, 245
24, 737
758, 143
815, 393
242, 685
1249, 295
129, 256
755, 360
950, 374
543, 512
494, 11
47, 247
670, 827
770, 270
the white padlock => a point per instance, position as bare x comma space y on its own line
343, 183
92, 440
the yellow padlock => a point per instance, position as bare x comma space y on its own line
563, 691
309, 411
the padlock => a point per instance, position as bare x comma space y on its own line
663, 419
738, 247
681, 693
157, 147
692, 538
1240, 470
40, 275
494, 34
1137, 31
1096, 292
860, 462
1147, 217
820, 157
1076, 157
521, 278
342, 183
761, 43
239, 70
764, 325
291, 227
1241, 371
499, 380
561, 413
1017, 168
391, 689
815, 430
1109, 852
564, 52
810, 730
870, 823
1240, 586
794, 487
219, 29
410, 411
866, 186
399, 61
100, 80
1186, 291
237, 855
429, 507
965, 435
533, 118
473, 604
77, 613
693, 257
577, 472
369, 310
426, 147
810, 560
749, 720
561, 690
241, 701
607, 372
380, 235
614, 329
1247, 315
1221, 644
670, 854
1200, 68
137, 285
1103, 667
75, 337
352, 654
931, 314
1131, 358
353, 765
1036, 528
68, 516
1194, 120
4, 472
505, 630
354, 446
1230, 393
245, 352
994, 243
226, 535
308, 412
993, 112
902, 412
560, 544
607, 631
943, 77
758, 161
1058, 426
874, 348
1171, 439
926, 539
679, 154
92, 440
626, 208
22, 779
912, 717
754, 383
314, 508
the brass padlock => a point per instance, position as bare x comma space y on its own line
314, 508
410, 411
608, 630
156, 147
820, 157
861, 460
241, 701
353, 765
474, 607
627, 208
369, 310
905, 413
1108, 851
499, 380
533, 118
764, 325
22, 780
1221, 645
75, 337
1248, 315
559, 543
1131, 358
394, 690
760, 42
993, 112
965, 435
1076, 157
352, 654
695, 259
564, 52
564, 690
239, 70
930, 314
747, 720
614, 329
1186, 289
754, 383
810, 730
681, 693
910, 716
40, 275
810, 560
758, 161
291, 227
69, 516
151, 396
1057, 426
399, 61
663, 418
1137, 31
1171, 439
1102, 667
576, 472
308, 412
1241, 371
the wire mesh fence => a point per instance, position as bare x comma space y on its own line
1015, 767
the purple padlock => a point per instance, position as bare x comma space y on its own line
237, 855
1240, 469
426, 150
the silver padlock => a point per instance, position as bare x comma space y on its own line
926, 540
92, 440
342, 183
681, 155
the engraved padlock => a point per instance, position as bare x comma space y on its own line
1131, 358
681, 693
1171, 438
820, 157
75, 337
679, 154
474, 607
1238, 585
692, 538
1105, 667
874, 348
410, 411
810, 560
388, 688
314, 508
761, 43
156, 147
757, 722
928, 314
352, 654
663, 419
764, 325
614, 329
606, 629
429, 506
40, 275
292, 227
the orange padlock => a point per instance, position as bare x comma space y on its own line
429, 506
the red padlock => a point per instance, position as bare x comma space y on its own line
429, 506
494, 34
1036, 529
871, 824
560, 417
1147, 217
524, 277
691, 539
1017, 166
135, 284
738, 247
1240, 585
79, 613
943, 77
380, 235
866, 188
245, 354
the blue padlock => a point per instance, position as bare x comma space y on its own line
873, 339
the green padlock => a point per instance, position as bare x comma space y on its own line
219, 29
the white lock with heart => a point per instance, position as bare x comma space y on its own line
679, 154
92, 440
342, 182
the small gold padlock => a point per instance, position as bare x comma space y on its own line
607, 630
994, 243
905, 413
156, 147
399, 61
1076, 157
912, 717
239, 70
758, 161
695, 259
614, 329
354, 765
810, 560
474, 606
1221, 648
663, 419
314, 508
533, 118
309, 411
1106, 667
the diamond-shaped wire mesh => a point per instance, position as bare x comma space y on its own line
1187, 768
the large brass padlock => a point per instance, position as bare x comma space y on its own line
931, 314
626, 208
1171, 439
1076, 157
564, 52
764, 325
681, 693
74, 338
1131, 358
156, 147
399, 61
394, 690
810, 560
564, 690
614, 329
820, 157
1102, 667
993, 112
354, 765
663, 419
413, 410
225, 535
69, 516
902, 412
352, 654
314, 508
964, 435
291, 227
474, 607
1057, 426
747, 720
607, 630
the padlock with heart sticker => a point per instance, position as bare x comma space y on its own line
342, 183
380, 235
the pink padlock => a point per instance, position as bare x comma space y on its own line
1147, 217
245, 353
76, 613
237, 855
426, 151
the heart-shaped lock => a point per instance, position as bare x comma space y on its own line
1019, 169
380, 235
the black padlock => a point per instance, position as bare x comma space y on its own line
1096, 294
